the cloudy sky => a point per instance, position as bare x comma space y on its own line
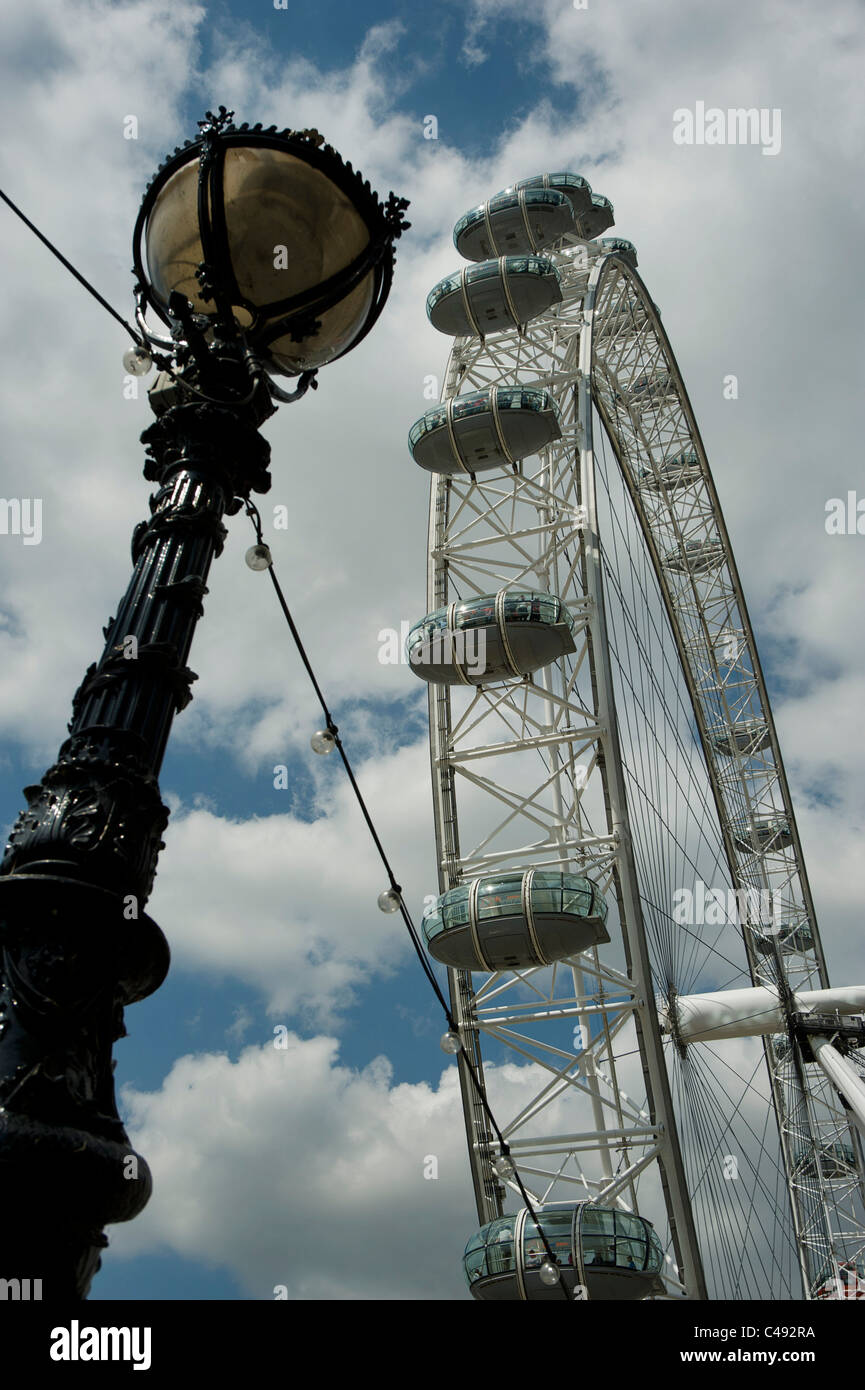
304, 1166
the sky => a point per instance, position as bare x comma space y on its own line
303, 1166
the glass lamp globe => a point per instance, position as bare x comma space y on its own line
389, 900
504, 1166
548, 1273
289, 229
272, 232
450, 1043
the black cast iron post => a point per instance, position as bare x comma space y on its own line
79, 868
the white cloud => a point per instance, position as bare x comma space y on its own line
288, 1168
289, 905
724, 245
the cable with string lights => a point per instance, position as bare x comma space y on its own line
324, 741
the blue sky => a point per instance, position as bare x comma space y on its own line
747, 284
428, 66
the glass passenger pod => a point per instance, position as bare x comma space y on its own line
494, 295
837, 1161
494, 428
615, 1255
792, 939
596, 219
617, 245
761, 836
494, 637
514, 920
696, 557
576, 189
748, 738
514, 223
681, 471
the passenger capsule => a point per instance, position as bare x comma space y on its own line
836, 1161
681, 471
493, 428
576, 189
514, 223
517, 920
770, 834
792, 939
697, 557
493, 295
617, 245
615, 1255
495, 637
596, 219
749, 738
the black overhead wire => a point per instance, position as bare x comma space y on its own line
255, 517
136, 337
140, 339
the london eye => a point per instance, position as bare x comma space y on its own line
624, 909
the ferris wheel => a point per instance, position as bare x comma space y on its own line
624, 912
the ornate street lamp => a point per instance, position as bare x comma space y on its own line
268, 237
262, 253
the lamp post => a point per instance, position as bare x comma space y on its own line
262, 253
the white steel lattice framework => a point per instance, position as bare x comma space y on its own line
648, 761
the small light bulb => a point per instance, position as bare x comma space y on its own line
504, 1166
450, 1043
322, 741
258, 557
137, 361
549, 1274
389, 900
